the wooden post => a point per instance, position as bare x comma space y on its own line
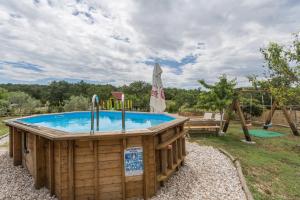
164, 161
60, 167
179, 148
183, 149
175, 153
10, 141
96, 174
39, 162
289, 120
183, 146
146, 163
71, 169
123, 147
170, 157
17, 147
243, 121
226, 124
51, 166
270, 115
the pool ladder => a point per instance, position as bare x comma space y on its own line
95, 103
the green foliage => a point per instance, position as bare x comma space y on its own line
251, 111
171, 106
22, 103
283, 70
182, 97
218, 96
139, 93
77, 103
4, 104
56, 94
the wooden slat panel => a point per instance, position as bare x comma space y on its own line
164, 164
39, 162
84, 158
51, 175
17, 147
179, 142
146, 145
167, 134
134, 141
10, 141
110, 195
183, 146
96, 173
123, 190
110, 172
109, 142
110, 149
110, 180
88, 166
111, 188
109, 157
110, 164
57, 175
134, 189
88, 182
71, 170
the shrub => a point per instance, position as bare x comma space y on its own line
77, 103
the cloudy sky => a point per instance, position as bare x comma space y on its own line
118, 42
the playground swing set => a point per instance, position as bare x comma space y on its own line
236, 107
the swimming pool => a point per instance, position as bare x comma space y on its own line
80, 122
61, 154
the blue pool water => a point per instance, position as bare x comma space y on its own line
80, 122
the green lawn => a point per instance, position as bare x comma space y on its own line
3, 128
271, 166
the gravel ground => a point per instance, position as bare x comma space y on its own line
207, 174
3, 140
16, 183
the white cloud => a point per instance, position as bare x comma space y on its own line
108, 41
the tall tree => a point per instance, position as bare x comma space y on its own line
282, 63
218, 96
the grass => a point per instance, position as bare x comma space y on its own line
3, 128
271, 166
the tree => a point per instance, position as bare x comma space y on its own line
282, 63
218, 96
139, 92
249, 108
4, 104
77, 103
22, 103
58, 92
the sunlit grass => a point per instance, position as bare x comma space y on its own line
3, 127
271, 166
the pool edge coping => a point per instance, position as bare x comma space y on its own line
54, 134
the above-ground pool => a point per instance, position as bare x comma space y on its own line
80, 122
61, 154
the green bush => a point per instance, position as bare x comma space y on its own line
171, 106
4, 105
21, 103
77, 103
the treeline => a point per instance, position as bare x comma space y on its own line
61, 96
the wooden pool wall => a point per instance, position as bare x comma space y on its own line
92, 166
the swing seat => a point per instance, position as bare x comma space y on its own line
268, 125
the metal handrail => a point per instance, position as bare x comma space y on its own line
95, 103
